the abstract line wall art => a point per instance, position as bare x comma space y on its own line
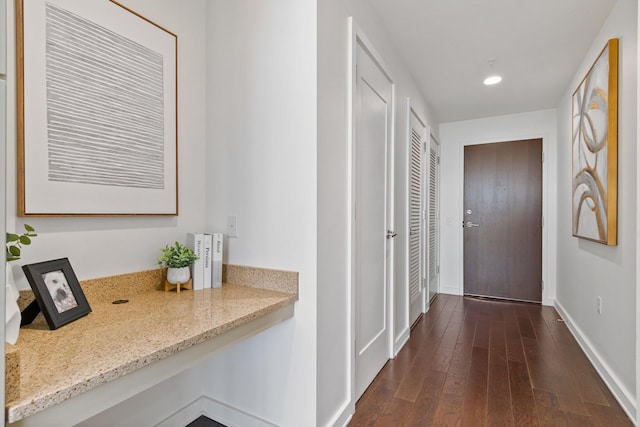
97, 119
595, 150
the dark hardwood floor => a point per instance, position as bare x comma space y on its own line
478, 362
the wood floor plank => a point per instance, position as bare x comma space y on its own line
411, 382
443, 356
605, 416
499, 411
539, 373
589, 388
456, 379
560, 360
449, 411
395, 414
396, 369
423, 413
515, 351
475, 397
411, 385
481, 338
373, 402
475, 362
526, 328
522, 398
548, 409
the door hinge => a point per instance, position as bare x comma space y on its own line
424, 146
438, 269
543, 157
438, 160
542, 284
542, 221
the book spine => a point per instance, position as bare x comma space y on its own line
208, 246
195, 242
216, 273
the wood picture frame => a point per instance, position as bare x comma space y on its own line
96, 111
57, 291
595, 150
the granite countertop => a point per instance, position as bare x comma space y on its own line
117, 339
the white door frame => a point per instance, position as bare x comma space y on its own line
356, 37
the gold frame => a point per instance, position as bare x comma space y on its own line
171, 207
589, 192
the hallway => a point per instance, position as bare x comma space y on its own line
476, 362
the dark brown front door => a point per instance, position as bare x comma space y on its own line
503, 220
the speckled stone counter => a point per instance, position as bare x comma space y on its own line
115, 340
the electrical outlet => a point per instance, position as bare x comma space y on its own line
599, 305
232, 226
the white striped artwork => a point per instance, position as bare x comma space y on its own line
105, 105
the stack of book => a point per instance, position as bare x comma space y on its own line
206, 272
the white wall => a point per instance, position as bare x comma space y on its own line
156, 405
453, 138
100, 247
637, 230
3, 141
335, 403
261, 166
586, 269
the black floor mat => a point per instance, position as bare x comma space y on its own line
203, 421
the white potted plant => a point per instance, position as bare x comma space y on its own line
177, 258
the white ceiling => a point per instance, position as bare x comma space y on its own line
538, 46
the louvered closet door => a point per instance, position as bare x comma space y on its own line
416, 289
434, 232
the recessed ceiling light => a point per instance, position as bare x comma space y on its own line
492, 80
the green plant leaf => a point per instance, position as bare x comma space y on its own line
14, 242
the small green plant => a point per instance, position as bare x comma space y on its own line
177, 256
15, 242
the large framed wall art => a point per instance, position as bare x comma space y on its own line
97, 115
595, 150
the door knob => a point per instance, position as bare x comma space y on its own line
470, 224
391, 234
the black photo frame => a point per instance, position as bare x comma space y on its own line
57, 291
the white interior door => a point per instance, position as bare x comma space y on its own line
417, 144
433, 219
373, 114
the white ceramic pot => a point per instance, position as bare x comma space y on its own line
178, 275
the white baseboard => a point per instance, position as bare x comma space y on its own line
184, 416
548, 301
610, 378
343, 415
216, 410
230, 416
450, 290
400, 341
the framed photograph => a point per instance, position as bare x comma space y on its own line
97, 115
595, 150
57, 291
